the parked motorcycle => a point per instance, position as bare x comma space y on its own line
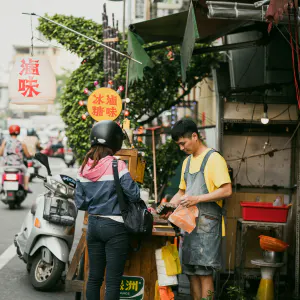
69, 157
13, 192
46, 237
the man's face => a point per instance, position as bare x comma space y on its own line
188, 145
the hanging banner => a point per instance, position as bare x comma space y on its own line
32, 81
104, 104
132, 287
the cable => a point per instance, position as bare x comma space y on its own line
282, 113
48, 43
292, 135
247, 68
262, 154
239, 168
31, 36
247, 173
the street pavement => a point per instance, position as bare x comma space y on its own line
14, 279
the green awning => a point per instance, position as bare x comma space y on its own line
182, 28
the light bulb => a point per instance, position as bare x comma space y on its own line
265, 120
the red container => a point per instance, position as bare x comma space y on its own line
264, 212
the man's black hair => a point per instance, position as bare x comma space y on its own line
184, 128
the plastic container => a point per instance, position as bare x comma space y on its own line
271, 244
264, 212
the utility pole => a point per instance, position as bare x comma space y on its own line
124, 14
148, 9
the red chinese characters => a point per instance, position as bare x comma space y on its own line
111, 100
97, 111
104, 104
98, 99
111, 112
28, 85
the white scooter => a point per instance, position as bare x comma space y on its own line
46, 237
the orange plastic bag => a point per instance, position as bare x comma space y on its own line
185, 218
272, 244
163, 292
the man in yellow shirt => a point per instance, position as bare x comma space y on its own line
205, 181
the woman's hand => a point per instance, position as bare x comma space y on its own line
168, 214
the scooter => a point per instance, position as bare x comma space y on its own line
12, 192
46, 236
69, 157
33, 168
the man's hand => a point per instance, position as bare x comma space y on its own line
188, 201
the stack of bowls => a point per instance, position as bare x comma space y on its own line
272, 256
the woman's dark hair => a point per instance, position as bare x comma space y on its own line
96, 153
184, 128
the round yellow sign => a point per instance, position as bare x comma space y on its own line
104, 104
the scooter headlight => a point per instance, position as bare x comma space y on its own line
60, 188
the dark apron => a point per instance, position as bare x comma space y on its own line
202, 246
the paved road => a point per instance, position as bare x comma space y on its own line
14, 279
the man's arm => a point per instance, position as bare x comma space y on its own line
224, 191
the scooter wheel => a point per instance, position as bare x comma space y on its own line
44, 276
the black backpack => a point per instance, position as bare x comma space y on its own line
137, 219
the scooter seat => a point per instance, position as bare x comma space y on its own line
12, 169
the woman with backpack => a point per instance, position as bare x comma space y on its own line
107, 237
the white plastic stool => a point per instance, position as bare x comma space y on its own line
266, 286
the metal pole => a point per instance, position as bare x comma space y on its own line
85, 36
154, 165
124, 13
297, 250
219, 114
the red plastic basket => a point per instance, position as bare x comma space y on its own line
264, 212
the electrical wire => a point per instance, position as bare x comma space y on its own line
48, 43
247, 68
287, 109
31, 36
247, 173
239, 168
292, 135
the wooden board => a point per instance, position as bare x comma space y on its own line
143, 264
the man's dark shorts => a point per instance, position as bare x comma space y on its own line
197, 270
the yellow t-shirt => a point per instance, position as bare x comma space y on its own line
215, 173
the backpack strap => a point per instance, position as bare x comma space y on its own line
120, 195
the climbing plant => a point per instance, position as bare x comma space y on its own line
160, 89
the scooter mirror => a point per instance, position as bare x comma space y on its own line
43, 159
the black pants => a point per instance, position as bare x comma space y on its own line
108, 245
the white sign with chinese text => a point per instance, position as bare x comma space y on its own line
32, 81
